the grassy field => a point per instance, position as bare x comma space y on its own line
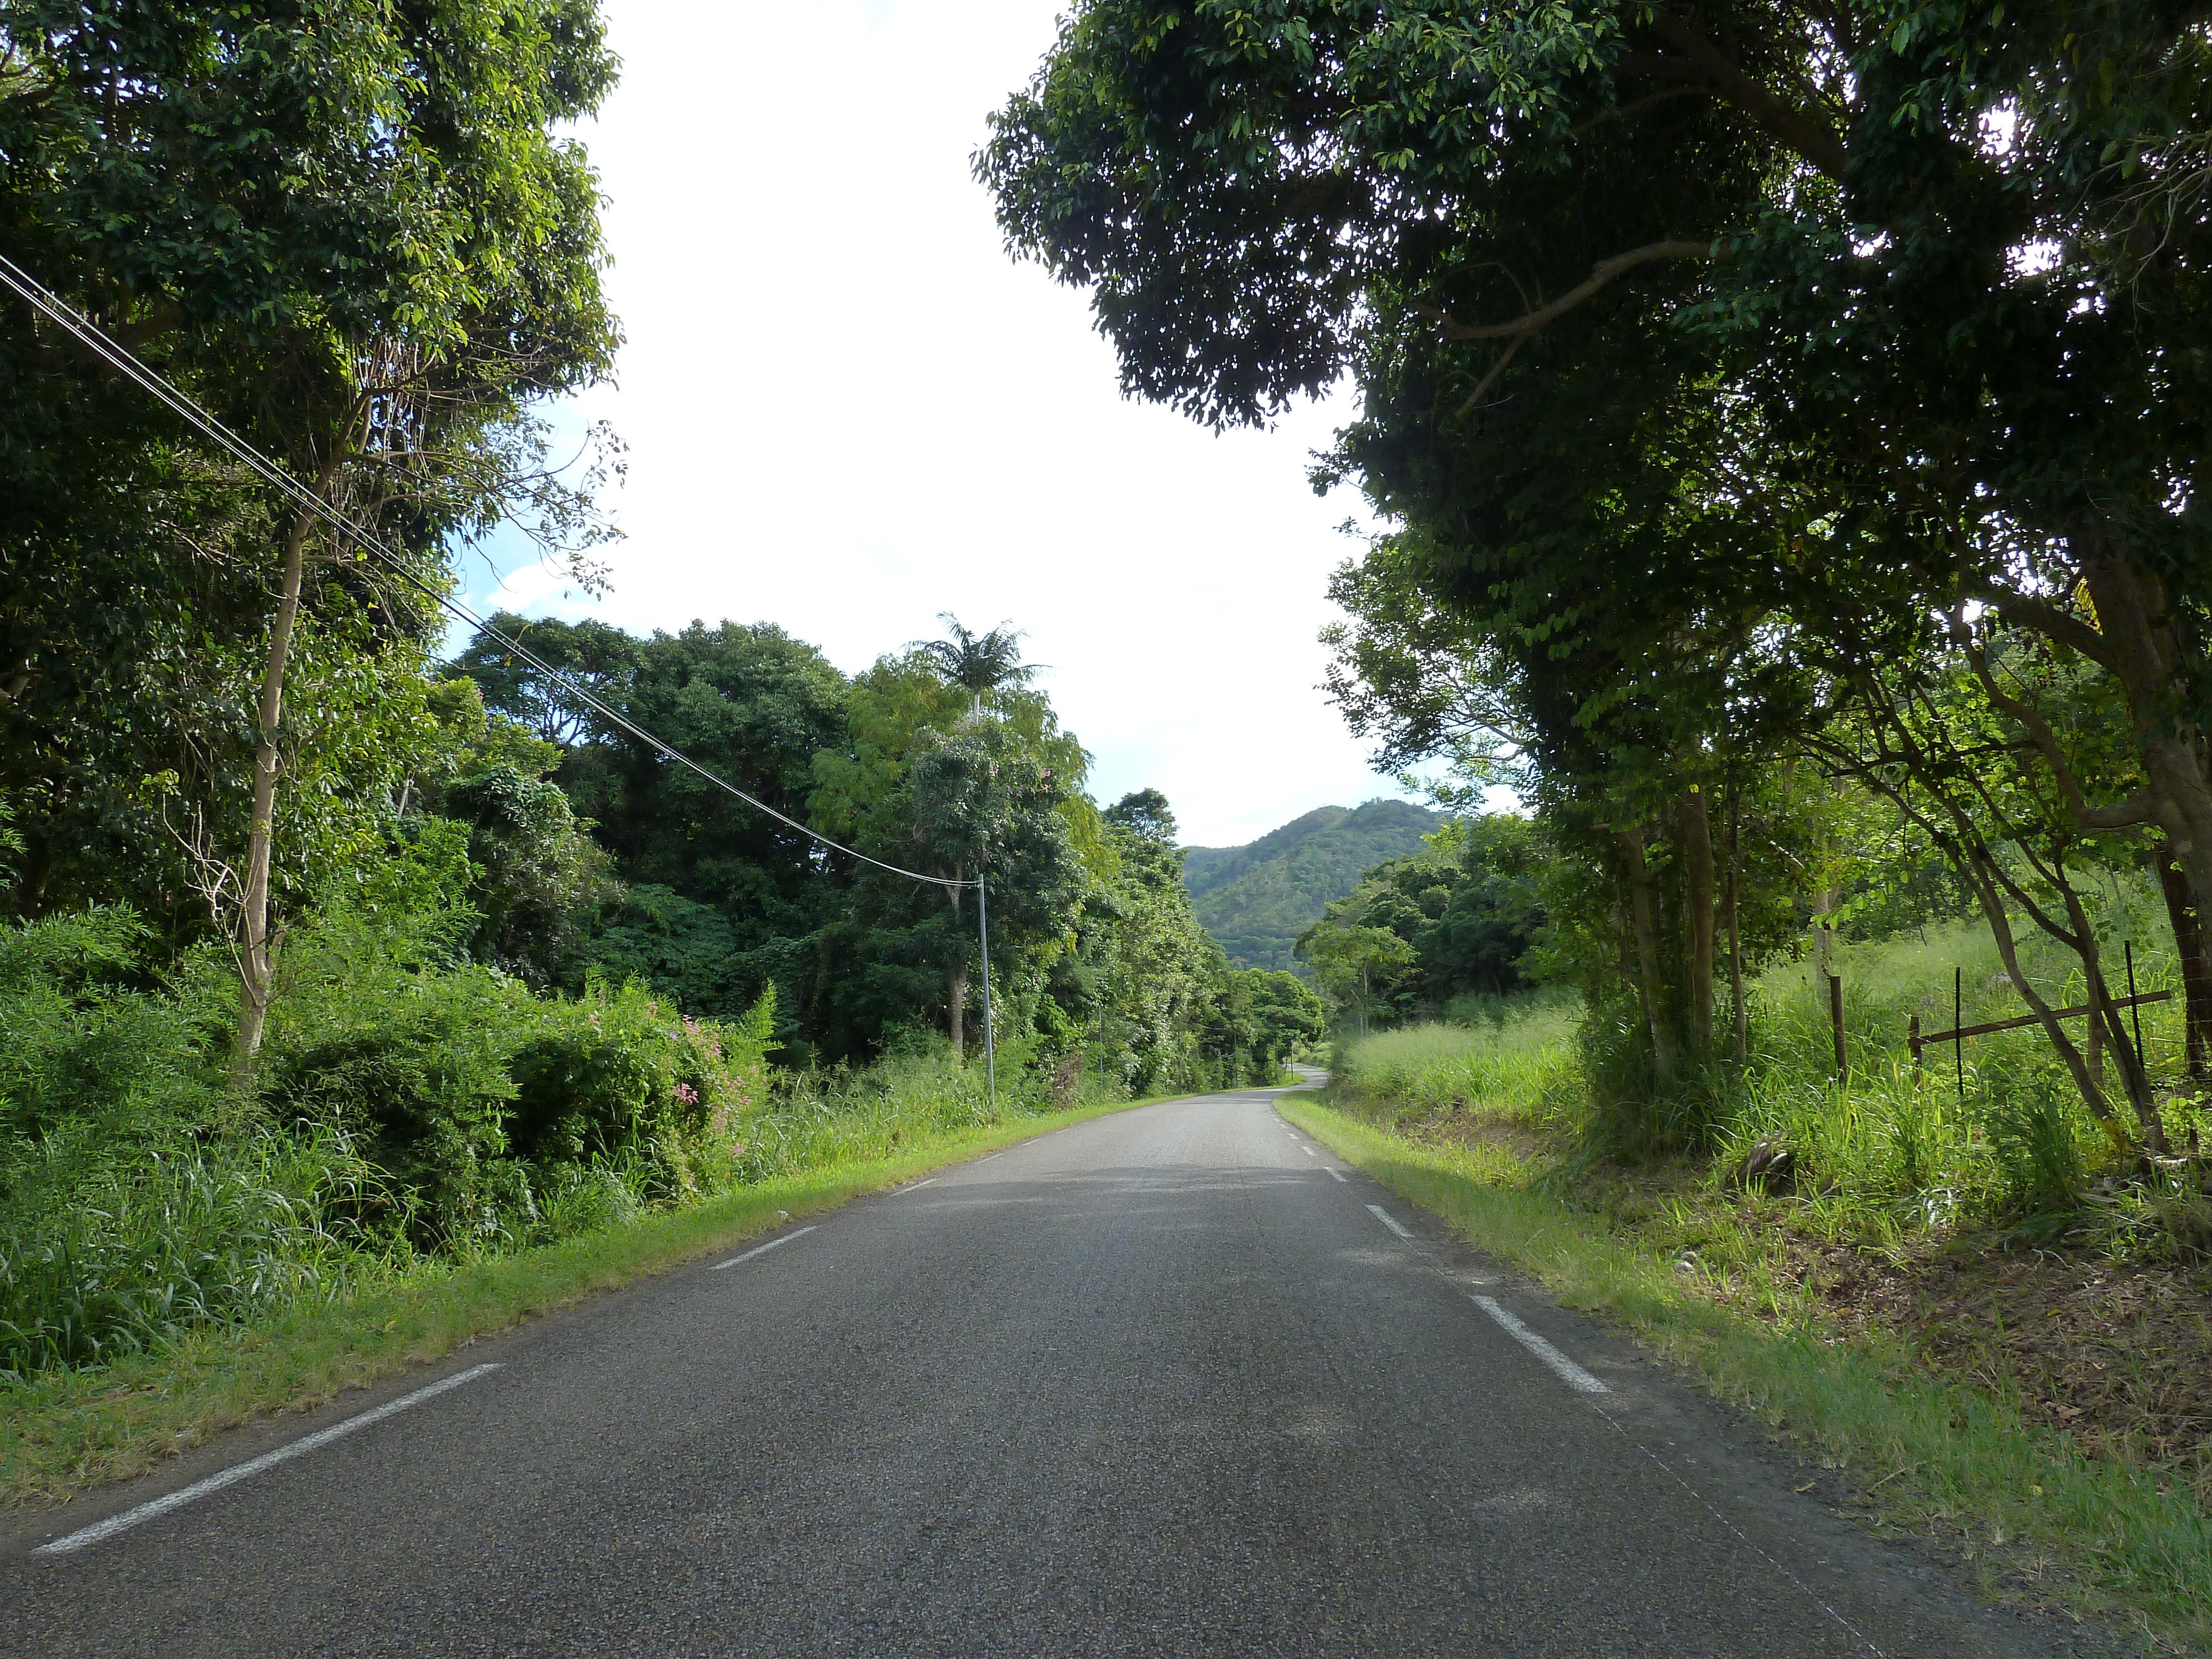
63, 1430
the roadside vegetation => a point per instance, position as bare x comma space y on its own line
345, 965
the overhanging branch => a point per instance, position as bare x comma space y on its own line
1601, 274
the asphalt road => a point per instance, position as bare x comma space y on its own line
1157, 1384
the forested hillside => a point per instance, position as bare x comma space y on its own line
1256, 899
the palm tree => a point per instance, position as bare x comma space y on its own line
981, 663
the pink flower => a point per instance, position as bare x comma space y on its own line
687, 1093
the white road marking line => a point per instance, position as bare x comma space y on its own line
1389, 1221
184, 1495
988, 1157
1311, 1153
1338, 1173
759, 1250
919, 1185
1570, 1373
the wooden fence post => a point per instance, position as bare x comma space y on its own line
1836, 1019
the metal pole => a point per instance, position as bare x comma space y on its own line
990, 1049
1836, 1019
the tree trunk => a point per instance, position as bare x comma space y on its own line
257, 955
956, 1000
1697, 839
1644, 917
2106, 1025
1986, 890
956, 982
2146, 657
2196, 965
1735, 933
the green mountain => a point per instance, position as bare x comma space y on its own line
1256, 899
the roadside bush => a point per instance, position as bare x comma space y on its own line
616, 1072
379, 1037
91, 1050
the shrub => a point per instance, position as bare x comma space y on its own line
619, 1072
378, 1038
89, 1053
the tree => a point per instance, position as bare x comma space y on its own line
1288, 1013
921, 782
589, 653
1798, 227
1361, 967
1162, 983
980, 663
355, 233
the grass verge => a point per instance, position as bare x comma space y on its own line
65, 1431
2020, 1503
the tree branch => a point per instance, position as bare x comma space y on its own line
1603, 272
2042, 616
1811, 138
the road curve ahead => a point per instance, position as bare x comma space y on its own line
1157, 1384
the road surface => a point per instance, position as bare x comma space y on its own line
1168, 1383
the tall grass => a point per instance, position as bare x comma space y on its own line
1994, 1131
816, 1120
143, 1251
1514, 1061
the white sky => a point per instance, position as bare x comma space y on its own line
847, 410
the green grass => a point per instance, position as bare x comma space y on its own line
62, 1431
1511, 1068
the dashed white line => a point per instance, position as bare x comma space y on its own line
1338, 1173
988, 1157
1389, 1221
1570, 1373
1311, 1153
919, 1185
759, 1250
184, 1495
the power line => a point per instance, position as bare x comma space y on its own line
118, 357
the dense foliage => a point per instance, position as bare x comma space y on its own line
1458, 921
1787, 425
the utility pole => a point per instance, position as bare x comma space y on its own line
990, 1049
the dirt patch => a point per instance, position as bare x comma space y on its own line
2118, 1354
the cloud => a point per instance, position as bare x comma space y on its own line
848, 410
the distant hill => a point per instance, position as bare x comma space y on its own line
1255, 900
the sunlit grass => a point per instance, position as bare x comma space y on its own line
1511, 1067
